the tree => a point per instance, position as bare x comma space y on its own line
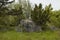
16, 14
41, 16
5, 2
26, 8
10, 18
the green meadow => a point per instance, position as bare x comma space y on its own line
47, 35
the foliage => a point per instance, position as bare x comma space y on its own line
40, 15
55, 18
10, 18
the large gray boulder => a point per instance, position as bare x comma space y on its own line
28, 25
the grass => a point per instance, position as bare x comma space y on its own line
48, 35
